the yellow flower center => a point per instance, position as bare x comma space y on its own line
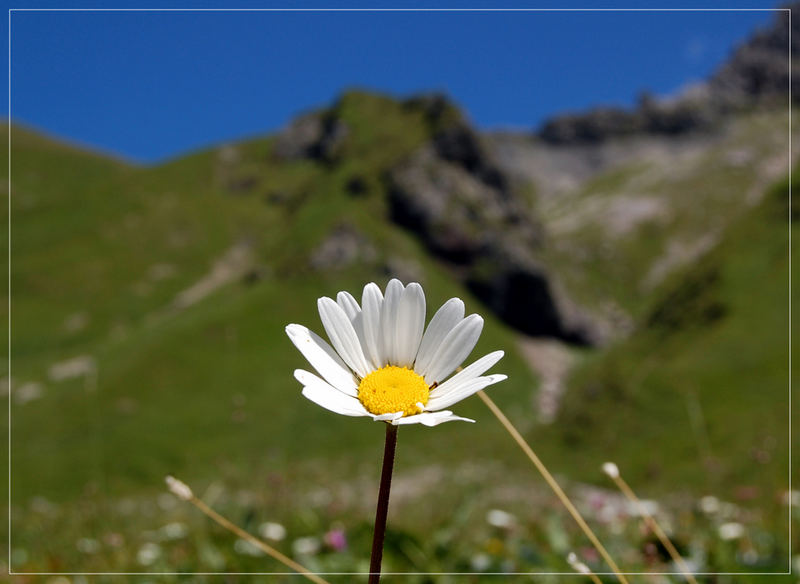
393, 389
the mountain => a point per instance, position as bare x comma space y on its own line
632, 264
757, 74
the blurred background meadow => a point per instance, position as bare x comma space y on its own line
610, 190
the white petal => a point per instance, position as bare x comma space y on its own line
477, 368
410, 324
323, 358
463, 390
348, 304
327, 396
342, 335
387, 417
447, 317
353, 311
391, 301
371, 302
455, 347
430, 419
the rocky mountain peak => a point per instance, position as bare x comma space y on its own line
756, 73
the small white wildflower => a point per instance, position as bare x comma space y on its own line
75, 367
577, 565
709, 505
28, 392
643, 508
500, 518
693, 565
272, 530
731, 530
148, 553
247, 548
480, 562
179, 488
174, 530
791, 498
750, 557
611, 469
306, 546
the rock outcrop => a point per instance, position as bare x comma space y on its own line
457, 200
341, 248
759, 67
315, 135
692, 111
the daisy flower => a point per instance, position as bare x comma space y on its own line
386, 365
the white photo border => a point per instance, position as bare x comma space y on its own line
789, 506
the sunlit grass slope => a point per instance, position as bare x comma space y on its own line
698, 397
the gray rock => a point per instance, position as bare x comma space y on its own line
344, 246
759, 68
455, 212
296, 140
319, 136
453, 196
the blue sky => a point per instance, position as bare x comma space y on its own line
152, 85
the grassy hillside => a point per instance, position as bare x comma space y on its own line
689, 250
697, 399
622, 232
115, 245
148, 308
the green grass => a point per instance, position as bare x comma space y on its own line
697, 398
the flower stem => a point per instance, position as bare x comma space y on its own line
383, 504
